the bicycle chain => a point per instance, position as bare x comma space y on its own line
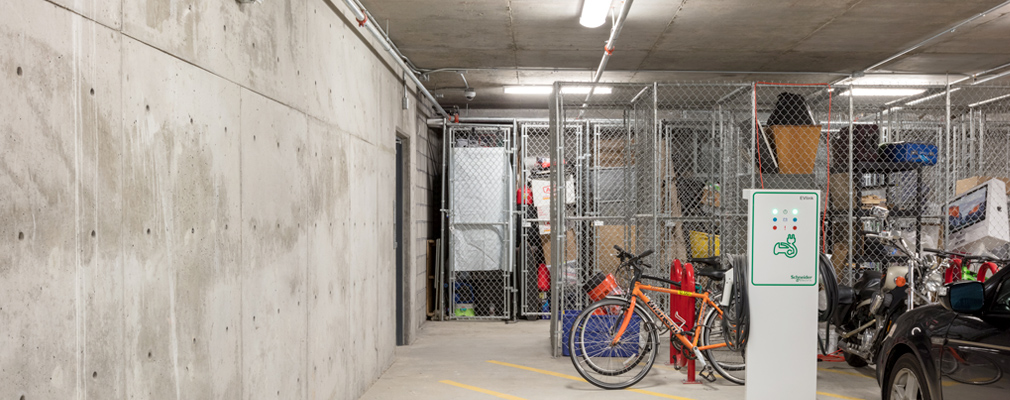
687, 353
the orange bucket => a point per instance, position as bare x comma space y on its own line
600, 286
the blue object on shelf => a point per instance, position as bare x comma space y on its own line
907, 152
596, 341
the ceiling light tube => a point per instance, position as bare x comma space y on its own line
984, 102
882, 92
594, 12
930, 97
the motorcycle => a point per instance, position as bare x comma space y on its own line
866, 310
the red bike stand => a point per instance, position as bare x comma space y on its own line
987, 267
676, 274
953, 272
683, 306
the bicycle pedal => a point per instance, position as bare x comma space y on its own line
708, 374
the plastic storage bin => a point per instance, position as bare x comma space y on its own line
906, 152
621, 350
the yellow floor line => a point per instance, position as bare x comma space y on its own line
838, 396
576, 378
682, 370
479, 390
838, 371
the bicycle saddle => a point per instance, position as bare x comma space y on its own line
711, 273
710, 261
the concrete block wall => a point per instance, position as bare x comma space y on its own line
196, 200
426, 223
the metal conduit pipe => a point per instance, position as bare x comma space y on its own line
438, 122
608, 49
363, 21
385, 34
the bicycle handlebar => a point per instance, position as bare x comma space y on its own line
631, 258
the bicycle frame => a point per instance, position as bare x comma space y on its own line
637, 293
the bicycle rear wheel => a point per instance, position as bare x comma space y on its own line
728, 362
597, 359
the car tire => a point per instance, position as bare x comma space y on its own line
905, 380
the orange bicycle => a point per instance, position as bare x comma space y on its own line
614, 342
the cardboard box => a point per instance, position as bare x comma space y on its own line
796, 147
839, 196
869, 201
606, 237
839, 257
571, 250
964, 184
613, 152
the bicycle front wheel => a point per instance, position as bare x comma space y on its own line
601, 360
728, 362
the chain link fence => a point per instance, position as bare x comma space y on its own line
480, 225
664, 166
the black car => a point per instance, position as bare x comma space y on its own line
959, 349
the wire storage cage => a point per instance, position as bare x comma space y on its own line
479, 221
663, 166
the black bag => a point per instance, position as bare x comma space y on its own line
864, 146
790, 109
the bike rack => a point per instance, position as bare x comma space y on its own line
684, 306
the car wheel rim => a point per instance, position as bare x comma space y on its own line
905, 386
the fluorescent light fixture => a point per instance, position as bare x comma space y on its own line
899, 80
541, 90
891, 110
594, 12
930, 97
528, 89
984, 102
881, 92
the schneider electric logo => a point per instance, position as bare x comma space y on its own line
801, 278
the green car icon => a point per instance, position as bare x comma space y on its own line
787, 248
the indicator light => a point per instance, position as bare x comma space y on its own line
775, 211
796, 211
775, 220
794, 219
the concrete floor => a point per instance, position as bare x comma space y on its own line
487, 360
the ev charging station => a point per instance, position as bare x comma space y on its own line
783, 249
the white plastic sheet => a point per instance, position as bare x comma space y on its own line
480, 208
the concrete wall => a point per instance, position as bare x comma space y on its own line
196, 200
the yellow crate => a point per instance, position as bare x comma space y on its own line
700, 244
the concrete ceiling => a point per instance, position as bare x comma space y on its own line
533, 42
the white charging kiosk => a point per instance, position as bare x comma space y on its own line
782, 246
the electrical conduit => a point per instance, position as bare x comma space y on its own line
361, 15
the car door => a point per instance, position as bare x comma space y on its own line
975, 361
